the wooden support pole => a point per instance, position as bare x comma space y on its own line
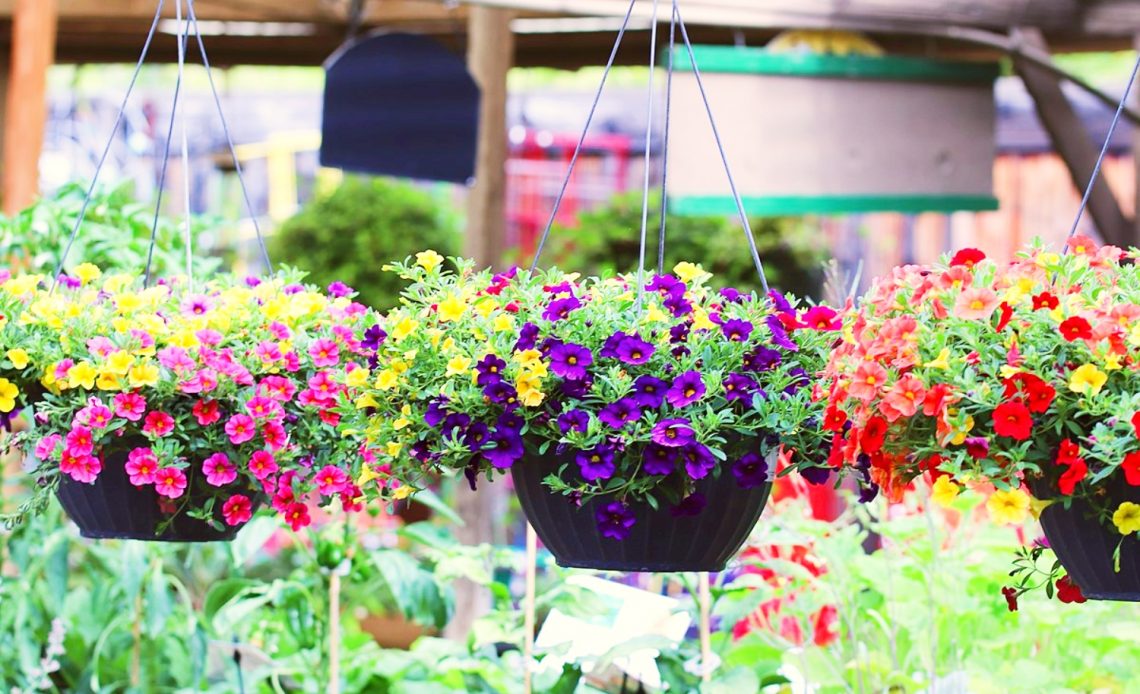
25, 113
1072, 143
491, 50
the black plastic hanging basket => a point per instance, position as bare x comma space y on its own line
658, 541
112, 508
1085, 546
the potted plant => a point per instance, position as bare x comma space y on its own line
621, 415
1021, 375
172, 412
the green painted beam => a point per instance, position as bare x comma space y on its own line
791, 205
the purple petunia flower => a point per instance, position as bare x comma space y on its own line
634, 350
339, 290
659, 460
686, 389
780, 334
780, 302
573, 420
293, 289
737, 330
68, 282
507, 447
560, 309
455, 423
570, 361
501, 393
528, 337
698, 460
666, 285
618, 414
489, 370
801, 379
252, 281
421, 451
678, 305
738, 387
510, 421
732, 296
476, 436
750, 471
577, 389
615, 520
373, 338
817, 476
557, 289
596, 464
868, 492
610, 346
762, 359
436, 411
649, 391
679, 332
673, 433
691, 505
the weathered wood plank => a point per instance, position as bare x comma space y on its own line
33, 51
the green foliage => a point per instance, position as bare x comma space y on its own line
348, 234
606, 241
115, 234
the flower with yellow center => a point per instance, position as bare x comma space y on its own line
942, 361
356, 378
451, 308
403, 328
535, 369
503, 323
394, 448
365, 401
1127, 518
653, 314
398, 367
402, 492
1112, 361
429, 260
82, 375
1046, 260
386, 379
144, 375
119, 363
944, 491
690, 273
458, 365
527, 356
8, 394
486, 307
1087, 379
367, 474
18, 357
401, 423
108, 381
1008, 506
87, 273
530, 392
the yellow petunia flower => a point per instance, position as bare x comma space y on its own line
386, 379
451, 309
1127, 518
401, 423
403, 328
944, 491
87, 273
429, 260
394, 448
108, 381
1008, 506
365, 401
18, 357
118, 363
82, 375
144, 375
942, 361
458, 365
503, 323
1087, 379
486, 307
403, 492
8, 394
356, 378
655, 315
690, 273
367, 474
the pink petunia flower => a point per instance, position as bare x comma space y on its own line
211, 338
324, 353
273, 432
130, 406
331, 480
80, 466
207, 412
170, 482
262, 408
96, 415
277, 388
79, 440
237, 510
219, 470
45, 449
268, 352
240, 428
158, 424
176, 359
280, 331
976, 303
101, 347
262, 464
142, 464
297, 516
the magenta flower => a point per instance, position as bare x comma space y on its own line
325, 353
45, 448
673, 433
822, 318
280, 331
238, 509
297, 516
80, 466
208, 337
277, 388
331, 480
268, 352
197, 305
274, 434
686, 389
141, 466
170, 482
101, 347
219, 470
206, 412
615, 520
176, 359
130, 406
79, 440
262, 464
339, 290
260, 407
240, 428
95, 415
158, 424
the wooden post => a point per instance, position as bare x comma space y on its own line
490, 55
1072, 142
25, 115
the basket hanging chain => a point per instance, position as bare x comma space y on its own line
648, 161
107, 149
184, 28
582, 139
723, 155
665, 140
1104, 150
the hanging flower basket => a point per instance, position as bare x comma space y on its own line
663, 539
1020, 375
596, 396
170, 412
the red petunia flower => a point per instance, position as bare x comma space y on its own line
873, 435
932, 465
1013, 419
1010, 595
1006, 313
1136, 424
1038, 394
1045, 300
968, 257
1069, 592
834, 419
1131, 468
1068, 455
1076, 328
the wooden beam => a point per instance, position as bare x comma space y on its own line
1072, 142
317, 11
25, 114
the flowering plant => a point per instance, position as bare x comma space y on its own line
214, 397
1023, 376
18, 381
641, 396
